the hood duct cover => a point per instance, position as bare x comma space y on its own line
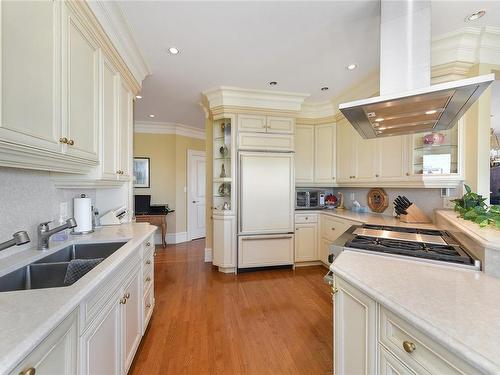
407, 103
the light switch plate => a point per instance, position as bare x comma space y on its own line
63, 209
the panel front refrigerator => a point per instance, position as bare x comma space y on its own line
266, 209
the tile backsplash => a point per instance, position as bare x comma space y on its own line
26, 199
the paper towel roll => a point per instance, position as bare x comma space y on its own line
82, 212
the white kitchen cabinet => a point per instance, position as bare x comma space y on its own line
266, 142
304, 154
109, 122
306, 242
30, 82
132, 319
346, 152
100, 345
276, 124
252, 123
366, 333
355, 328
365, 161
80, 82
392, 158
330, 228
224, 242
324, 154
125, 132
57, 354
265, 124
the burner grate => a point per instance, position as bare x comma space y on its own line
447, 253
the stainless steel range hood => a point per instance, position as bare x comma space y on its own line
407, 103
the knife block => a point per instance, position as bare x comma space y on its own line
415, 216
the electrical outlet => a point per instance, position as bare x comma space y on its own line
353, 197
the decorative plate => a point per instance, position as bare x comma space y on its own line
377, 200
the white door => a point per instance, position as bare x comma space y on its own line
266, 188
196, 197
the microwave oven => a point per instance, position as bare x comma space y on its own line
309, 199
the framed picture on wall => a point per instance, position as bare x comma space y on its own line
142, 171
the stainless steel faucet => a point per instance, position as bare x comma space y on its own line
18, 238
44, 233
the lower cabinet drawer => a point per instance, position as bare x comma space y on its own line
269, 250
332, 228
390, 365
416, 350
306, 218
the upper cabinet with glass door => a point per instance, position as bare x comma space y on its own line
223, 165
437, 156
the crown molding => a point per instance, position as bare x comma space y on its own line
111, 18
153, 127
468, 45
225, 96
317, 110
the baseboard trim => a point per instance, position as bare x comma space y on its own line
309, 263
208, 255
172, 238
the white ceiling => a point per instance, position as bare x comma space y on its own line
301, 45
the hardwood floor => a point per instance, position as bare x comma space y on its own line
206, 322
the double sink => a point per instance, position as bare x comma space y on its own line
50, 271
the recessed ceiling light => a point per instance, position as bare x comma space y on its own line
173, 50
324, 88
476, 15
351, 66
138, 97
151, 116
380, 119
273, 83
431, 112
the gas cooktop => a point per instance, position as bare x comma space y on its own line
424, 244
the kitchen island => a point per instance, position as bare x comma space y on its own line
116, 295
420, 317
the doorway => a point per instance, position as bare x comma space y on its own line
196, 199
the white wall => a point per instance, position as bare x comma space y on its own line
28, 198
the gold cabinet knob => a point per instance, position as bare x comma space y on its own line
148, 279
30, 371
148, 305
148, 244
71, 142
148, 262
408, 346
63, 140
376, 175
123, 301
407, 174
333, 228
127, 296
334, 290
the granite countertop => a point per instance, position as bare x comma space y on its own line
459, 309
366, 218
28, 316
